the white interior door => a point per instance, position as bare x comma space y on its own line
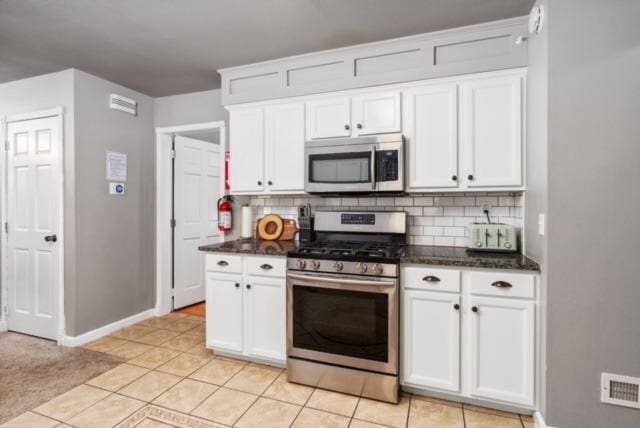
196, 193
34, 201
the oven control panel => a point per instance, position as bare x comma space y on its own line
358, 218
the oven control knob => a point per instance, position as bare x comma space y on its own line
302, 264
361, 268
338, 266
315, 264
377, 268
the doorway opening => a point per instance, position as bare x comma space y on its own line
189, 182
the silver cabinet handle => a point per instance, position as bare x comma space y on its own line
431, 278
266, 267
223, 263
501, 284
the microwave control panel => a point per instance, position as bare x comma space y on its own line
387, 165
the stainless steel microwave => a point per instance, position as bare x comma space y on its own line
355, 165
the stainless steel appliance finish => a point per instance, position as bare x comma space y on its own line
355, 165
343, 304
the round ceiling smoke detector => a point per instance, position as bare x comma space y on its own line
536, 19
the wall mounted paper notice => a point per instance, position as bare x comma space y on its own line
116, 166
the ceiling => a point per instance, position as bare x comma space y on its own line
165, 47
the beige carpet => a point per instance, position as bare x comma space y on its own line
33, 371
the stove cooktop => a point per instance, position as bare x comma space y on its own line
350, 251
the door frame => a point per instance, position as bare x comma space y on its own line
164, 247
57, 112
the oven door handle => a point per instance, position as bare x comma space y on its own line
341, 281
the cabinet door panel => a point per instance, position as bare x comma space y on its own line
284, 147
492, 131
224, 312
377, 113
246, 146
265, 317
502, 334
328, 118
431, 128
431, 340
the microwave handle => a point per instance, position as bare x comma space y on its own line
373, 168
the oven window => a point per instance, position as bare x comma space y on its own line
340, 168
349, 323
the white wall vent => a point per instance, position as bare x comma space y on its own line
127, 105
620, 390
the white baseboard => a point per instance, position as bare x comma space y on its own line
538, 421
3, 325
96, 334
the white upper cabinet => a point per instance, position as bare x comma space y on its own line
246, 146
492, 131
377, 113
431, 129
431, 339
328, 118
502, 350
284, 147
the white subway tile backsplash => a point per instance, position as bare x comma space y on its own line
432, 219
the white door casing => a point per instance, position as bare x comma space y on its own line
196, 192
328, 118
284, 147
431, 342
431, 126
34, 211
377, 113
502, 336
491, 127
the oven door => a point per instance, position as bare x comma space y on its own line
340, 168
347, 322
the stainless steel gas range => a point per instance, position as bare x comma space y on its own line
343, 304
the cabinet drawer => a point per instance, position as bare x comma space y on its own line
420, 278
266, 266
503, 284
224, 263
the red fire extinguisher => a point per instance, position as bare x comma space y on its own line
225, 212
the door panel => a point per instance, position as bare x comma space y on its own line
196, 192
284, 147
246, 145
377, 113
502, 349
34, 200
432, 131
431, 345
266, 317
492, 131
224, 312
328, 118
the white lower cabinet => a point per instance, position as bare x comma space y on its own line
246, 312
502, 349
457, 343
431, 351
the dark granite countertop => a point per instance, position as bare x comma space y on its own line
460, 257
416, 254
252, 246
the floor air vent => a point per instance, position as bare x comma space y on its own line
620, 390
127, 105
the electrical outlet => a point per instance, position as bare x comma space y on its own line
486, 208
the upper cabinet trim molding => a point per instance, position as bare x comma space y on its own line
478, 48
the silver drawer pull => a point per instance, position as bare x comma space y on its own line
266, 267
223, 263
501, 284
431, 278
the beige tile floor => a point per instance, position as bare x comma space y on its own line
169, 371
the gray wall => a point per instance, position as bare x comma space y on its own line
190, 108
43, 93
113, 275
594, 201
